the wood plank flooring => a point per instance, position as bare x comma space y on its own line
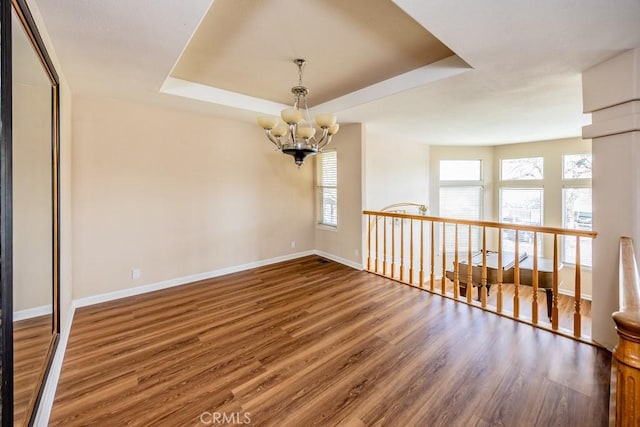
310, 342
565, 306
31, 341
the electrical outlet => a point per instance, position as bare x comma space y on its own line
135, 273
293, 244
356, 252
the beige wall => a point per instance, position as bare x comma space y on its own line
345, 241
175, 194
395, 171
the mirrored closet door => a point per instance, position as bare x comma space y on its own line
29, 215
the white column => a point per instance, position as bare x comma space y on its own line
611, 92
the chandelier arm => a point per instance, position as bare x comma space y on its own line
318, 142
306, 108
325, 143
291, 136
323, 139
274, 140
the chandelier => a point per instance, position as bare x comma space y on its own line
294, 133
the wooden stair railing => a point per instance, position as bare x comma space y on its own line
627, 352
399, 245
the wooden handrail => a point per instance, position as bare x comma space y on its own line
463, 266
627, 352
421, 206
491, 224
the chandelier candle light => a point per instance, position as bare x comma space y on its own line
294, 134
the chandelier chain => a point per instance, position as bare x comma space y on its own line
300, 65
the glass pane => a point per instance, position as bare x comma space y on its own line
523, 168
521, 206
33, 222
576, 166
461, 203
577, 214
327, 187
329, 204
328, 168
460, 170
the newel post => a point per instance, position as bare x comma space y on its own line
627, 352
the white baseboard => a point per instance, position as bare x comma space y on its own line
51, 383
338, 259
32, 312
571, 293
110, 296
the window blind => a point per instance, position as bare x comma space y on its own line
463, 202
328, 188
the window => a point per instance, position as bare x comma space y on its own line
526, 168
327, 170
576, 166
460, 170
461, 190
524, 204
577, 207
461, 203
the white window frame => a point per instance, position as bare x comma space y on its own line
321, 187
574, 183
522, 184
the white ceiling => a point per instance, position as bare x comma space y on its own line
525, 84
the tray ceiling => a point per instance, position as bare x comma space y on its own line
247, 47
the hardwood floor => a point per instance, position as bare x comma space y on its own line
31, 340
310, 342
565, 306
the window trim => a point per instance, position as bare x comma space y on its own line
574, 183
319, 191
